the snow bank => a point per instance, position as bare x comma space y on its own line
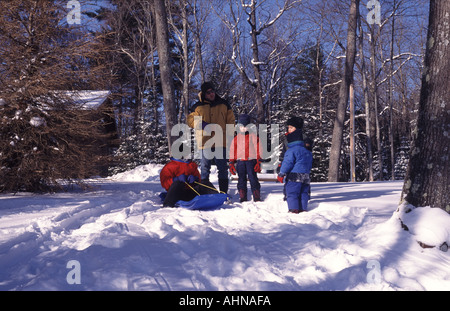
430, 226
150, 172
122, 239
147, 172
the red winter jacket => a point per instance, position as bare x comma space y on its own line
245, 147
176, 168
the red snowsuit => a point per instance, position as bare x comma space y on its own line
245, 147
176, 168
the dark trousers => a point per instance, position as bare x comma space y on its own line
220, 161
246, 169
180, 191
222, 166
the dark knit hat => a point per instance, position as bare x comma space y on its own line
296, 122
206, 86
244, 119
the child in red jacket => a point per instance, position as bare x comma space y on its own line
175, 177
245, 153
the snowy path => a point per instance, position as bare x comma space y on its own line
124, 240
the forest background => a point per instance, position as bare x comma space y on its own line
269, 58
284, 56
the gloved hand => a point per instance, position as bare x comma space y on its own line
181, 178
232, 168
191, 179
280, 178
257, 167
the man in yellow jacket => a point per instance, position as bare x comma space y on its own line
209, 118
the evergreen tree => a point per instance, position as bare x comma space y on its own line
46, 139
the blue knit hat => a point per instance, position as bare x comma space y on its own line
244, 119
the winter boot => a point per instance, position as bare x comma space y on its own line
242, 195
223, 185
256, 195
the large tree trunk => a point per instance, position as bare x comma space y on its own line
162, 35
338, 130
428, 176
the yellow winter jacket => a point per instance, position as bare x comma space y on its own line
218, 112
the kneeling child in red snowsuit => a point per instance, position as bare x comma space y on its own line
178, 177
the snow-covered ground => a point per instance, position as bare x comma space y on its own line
117, 236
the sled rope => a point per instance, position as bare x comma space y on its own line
192, 188
209, 187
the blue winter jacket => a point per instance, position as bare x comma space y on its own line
297, 159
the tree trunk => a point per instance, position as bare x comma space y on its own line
154, 94
338, 130
366, 102
199, 23
391, 99
428, 175
162, 35
186, 77
352, 135
375, 101
256, 64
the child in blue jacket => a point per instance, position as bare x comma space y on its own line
295, 168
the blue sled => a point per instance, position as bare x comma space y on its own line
204, 201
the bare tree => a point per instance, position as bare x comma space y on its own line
183, 41
162, 34
428, 177
200, 11
338, 130
379, 98
362, 69
132, 29
390, 94
240, 59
